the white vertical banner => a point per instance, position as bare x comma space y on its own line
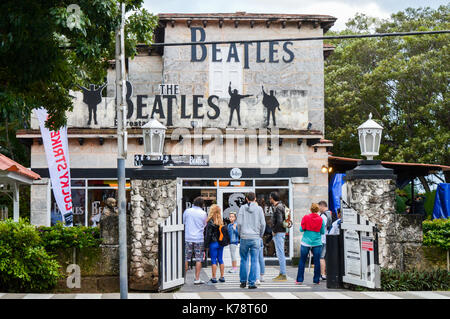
57, 152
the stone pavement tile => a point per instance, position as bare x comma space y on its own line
64, 296
88, 296
258, 295
138, 295
235, 295
445, 293
355, 295
186, 295
307, 295
38, 296
381, 295
111, 296
161, 296
13, 296
282, 295
210, 295
429, 294
332, 295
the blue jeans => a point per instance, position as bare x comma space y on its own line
316, 250
279, 248
260, 263
248, 247
216, 253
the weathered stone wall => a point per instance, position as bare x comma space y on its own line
152, 202
400, 236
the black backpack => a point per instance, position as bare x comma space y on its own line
224, 236
329, 219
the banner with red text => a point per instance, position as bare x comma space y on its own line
57, 152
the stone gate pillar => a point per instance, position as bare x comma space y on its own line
152, 202
371, 192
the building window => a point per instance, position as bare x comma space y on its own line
222, 72
88, 200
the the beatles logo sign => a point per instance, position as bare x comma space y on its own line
272, 55
164, 103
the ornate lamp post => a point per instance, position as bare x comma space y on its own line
152, 165
369, 134
154, 133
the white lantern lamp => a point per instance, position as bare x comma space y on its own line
154, 133
369, 134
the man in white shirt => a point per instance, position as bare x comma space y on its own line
194, 220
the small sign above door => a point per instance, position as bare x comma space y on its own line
236, 173
177, 160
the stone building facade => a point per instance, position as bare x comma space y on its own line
271, 128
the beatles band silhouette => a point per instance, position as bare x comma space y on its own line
235, 103
271, 103
93, 96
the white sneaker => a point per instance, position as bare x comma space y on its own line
261, 278
198, 282
257, 283
232, 271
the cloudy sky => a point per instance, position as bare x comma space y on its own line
341, 9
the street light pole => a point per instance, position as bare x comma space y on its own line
121, 152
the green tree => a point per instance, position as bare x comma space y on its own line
43, 55
402, 81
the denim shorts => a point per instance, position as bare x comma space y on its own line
324, 251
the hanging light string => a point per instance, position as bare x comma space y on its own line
332, 37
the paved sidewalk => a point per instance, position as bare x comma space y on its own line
245, 294
232, 281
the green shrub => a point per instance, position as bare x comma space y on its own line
25, 266
437, 233
396, 280
58, 236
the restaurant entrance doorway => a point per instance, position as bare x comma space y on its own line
230, 200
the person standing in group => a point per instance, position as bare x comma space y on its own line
234, 241
212, 234
327, 218
313, 227
251, 225
261, 262
335, 227
279, 233
194, 220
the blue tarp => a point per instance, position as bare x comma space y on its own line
335, 192
442, 201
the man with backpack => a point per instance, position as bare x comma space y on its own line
279, 231
251, 225
328, 221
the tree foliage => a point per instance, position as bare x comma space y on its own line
402, 81
43, 54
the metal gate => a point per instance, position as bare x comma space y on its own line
171, 252
361, 264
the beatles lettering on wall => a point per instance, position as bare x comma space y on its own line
170, 93
232, 53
